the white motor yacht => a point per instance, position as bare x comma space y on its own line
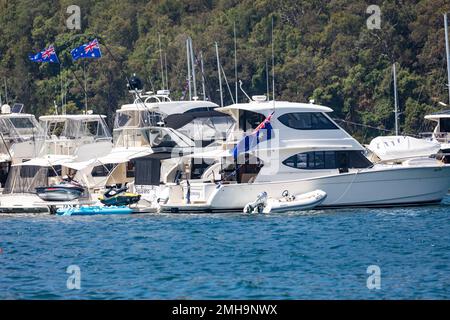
20, 134
67, 139
307, 151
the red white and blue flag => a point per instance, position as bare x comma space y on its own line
263, 132
88, 50
47, 55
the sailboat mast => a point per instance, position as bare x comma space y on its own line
235, 62
220, 75
189, 68
447, 49
161, 61
203, 76
193, 67
395, 100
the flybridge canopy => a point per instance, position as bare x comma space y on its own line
16, 127
268, 107
168, 107
75, 126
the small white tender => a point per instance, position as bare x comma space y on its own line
288, 202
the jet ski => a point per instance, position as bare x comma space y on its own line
66, 190
118, 196
288, 202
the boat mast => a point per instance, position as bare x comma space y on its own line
6, 92
161, 61
235, 63
189, 68
193, 67
220, 76
273, 70
167, 77
395, 100
203, 76
447, 49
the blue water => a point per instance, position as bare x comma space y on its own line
317, 254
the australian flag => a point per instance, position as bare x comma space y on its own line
48, 55
89, 50
262, 133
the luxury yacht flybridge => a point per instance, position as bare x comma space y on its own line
307, 151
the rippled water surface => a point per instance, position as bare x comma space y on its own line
315, 254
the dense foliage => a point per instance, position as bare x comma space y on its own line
323, 51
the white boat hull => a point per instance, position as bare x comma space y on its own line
367, 187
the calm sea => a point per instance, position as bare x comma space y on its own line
308, 255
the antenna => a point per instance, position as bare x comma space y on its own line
220, 76
395, 100
273, 70
189, 68
193, 66
161, 60
203, 75
447, 49
235, 62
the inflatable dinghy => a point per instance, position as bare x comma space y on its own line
288, 202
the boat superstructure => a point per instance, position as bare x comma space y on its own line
20, 136
155, 127
441, 132
307, 151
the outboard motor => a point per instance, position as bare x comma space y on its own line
258, 205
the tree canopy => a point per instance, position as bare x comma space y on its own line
323, 50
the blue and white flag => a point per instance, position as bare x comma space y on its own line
89, 50
48, 55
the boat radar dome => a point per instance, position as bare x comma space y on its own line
135, 84
6, 108
163, 92
261, 98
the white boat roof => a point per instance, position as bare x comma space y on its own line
169, 107
280, 107
72, 117
121, 155
438, 115
16, 115
47, 161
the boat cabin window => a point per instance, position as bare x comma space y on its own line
22, 123
54, 171
249, 120
198, 167
328, 160
102, 170
130, 169
307, 121
444, 124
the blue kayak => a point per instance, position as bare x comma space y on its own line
94, 210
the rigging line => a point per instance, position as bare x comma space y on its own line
228, 86
363, 125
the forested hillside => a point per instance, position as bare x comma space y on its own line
323, 51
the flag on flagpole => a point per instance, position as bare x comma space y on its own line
88, 50
48, 55
263, 132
